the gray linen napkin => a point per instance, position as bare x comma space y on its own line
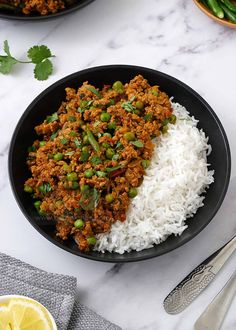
54, 291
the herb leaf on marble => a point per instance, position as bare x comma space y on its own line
38, 55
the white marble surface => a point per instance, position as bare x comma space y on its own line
171, 36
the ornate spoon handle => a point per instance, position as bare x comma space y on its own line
192, 285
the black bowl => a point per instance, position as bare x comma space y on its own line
21, 17
49, 101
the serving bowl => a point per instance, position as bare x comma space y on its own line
21, 17
49, 101
209, 13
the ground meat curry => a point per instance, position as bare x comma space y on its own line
92, 153
41, 7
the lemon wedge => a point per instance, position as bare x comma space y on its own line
24, 314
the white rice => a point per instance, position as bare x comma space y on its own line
171, 190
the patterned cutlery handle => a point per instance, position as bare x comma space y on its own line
192, 285
184, 293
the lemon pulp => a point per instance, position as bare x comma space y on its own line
24, 314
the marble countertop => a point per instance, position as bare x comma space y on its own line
173, 37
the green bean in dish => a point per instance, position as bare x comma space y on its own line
92, 154
229, 14
215, 8
223, 9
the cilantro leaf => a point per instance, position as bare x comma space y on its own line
69, 153
45, 188
43, 70
39, 53
78, 143
63, 140
89, 199
6, 48
52, 118
7, 61
96, 160
128, 105
54, 135
6, 64
148, 117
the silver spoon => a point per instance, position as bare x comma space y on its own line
192, 285
212, 318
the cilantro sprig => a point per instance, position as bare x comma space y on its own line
37, 55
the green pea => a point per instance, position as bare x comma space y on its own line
58, 156
165, 122
105, 117
37, 204
139, 105
41, 212
84, 188
91, 240
110, 153
72, 176
111, 125
107, 134
118, 87
88, 173
75, 185
28, 189
129, 136
105, 145
133, 192
173, 119
155, 92
111, 102
145, 163
164, 129
42, 143
85, 139
109, 198
79, 223
67, 168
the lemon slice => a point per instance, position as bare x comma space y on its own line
4, 318
24, 314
